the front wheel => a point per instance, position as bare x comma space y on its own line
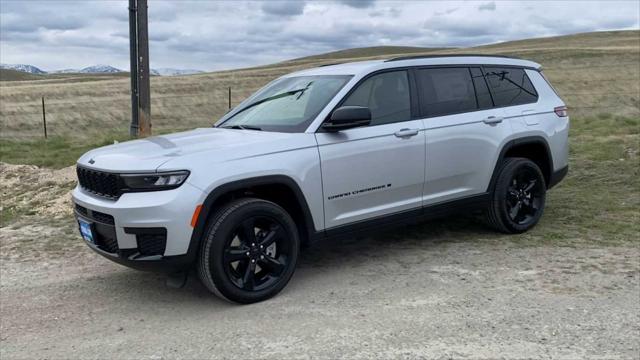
249, 252
518, 197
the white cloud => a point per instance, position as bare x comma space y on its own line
213, 35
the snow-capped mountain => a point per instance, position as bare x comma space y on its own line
100, 69
64, 71
97, 69
22, 67
173, 72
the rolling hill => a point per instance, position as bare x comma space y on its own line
372, 51
15, 75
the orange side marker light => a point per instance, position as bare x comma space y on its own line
196, 214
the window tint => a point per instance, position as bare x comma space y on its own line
446, 91
510, 86
386, 95
482, 91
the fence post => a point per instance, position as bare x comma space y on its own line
229, 97
44, 119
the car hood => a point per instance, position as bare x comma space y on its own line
224, 144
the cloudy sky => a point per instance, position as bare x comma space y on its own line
211, 35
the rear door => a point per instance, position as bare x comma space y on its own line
464, 132
375, 170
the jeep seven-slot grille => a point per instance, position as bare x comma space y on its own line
100, 183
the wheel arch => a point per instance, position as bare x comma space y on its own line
534, 148
280, 189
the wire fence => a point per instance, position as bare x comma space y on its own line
26, 114
24, 117
113, 116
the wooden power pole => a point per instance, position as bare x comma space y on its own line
140, 85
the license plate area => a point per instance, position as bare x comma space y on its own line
86, 230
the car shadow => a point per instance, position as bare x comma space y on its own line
318, 260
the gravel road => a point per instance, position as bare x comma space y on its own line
410, 293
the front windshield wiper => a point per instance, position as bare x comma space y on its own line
274, 97
242, 127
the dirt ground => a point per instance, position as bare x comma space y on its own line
423, 291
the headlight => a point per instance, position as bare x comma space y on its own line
154, 181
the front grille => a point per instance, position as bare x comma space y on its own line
151, 241
103, 228
95, 215
100, 183
82, 210
152, 244
102, 217
106, 240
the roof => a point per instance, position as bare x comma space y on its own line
359, 67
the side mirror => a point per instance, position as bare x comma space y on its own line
347, 117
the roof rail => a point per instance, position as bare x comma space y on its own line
412, 57
330, 64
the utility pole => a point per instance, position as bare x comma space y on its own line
133, 57
140, 85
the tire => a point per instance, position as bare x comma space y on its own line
244, 268
518, 196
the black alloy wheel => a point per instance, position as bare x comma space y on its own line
257, 253
518, 196
524, 196
249, 252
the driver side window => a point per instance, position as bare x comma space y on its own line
386, 95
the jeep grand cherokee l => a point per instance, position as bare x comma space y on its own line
327, 152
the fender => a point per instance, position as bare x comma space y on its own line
517, 142
207, 207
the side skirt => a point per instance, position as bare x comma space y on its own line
434, 211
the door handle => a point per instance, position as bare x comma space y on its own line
406, 133
493, 120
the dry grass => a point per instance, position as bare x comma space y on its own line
595, 73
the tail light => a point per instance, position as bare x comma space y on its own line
561, 111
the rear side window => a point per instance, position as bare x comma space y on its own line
386, 95
510, 86
446, 91
482, 90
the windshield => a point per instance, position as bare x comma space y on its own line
287, 104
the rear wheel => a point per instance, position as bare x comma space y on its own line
250, 251
518, 197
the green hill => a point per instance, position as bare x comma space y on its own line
13, 75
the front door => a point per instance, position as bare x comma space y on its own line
376, 170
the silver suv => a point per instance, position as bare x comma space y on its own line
327, 152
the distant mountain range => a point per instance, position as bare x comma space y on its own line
174, 72
24, 68
96, 69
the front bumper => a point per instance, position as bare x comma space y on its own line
145, 231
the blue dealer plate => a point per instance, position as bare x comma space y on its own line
85, 230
